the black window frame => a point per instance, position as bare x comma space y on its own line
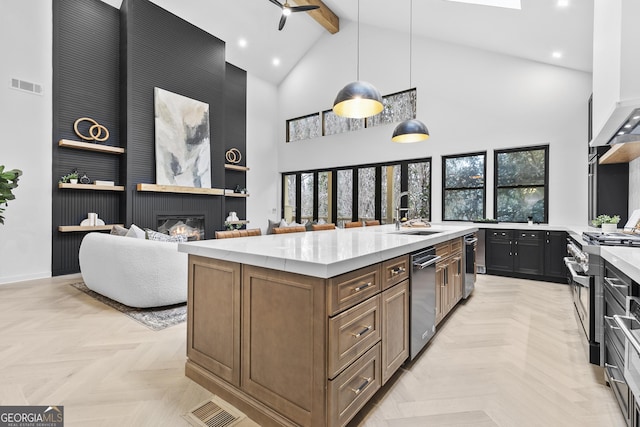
404, 165
544, 147
484, 184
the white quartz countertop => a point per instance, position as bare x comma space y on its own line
626, 260
324, 253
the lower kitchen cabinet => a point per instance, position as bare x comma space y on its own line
534, 254
449, 271
395, 328
289, 349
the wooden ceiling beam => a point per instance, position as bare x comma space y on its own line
323, 16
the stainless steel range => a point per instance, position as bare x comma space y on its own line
584, 275
612, 239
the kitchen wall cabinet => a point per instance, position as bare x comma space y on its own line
532, 254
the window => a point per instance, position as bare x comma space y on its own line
420, 190
390, 183
398, 107
359, 192
521, 179
306, 127
463, 192
366, 193
306, 200
324, 196
345, 196
289, 197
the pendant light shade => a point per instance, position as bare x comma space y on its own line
358, 100
412, 130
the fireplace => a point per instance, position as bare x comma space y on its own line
180, 223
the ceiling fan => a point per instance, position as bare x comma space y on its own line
287, 10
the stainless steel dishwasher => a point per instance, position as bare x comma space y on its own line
423, 299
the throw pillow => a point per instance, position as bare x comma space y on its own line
308, 225
283, 223
161, 237
118, 230
135, 231
272, 225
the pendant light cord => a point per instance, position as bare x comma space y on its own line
410, 39
358, 46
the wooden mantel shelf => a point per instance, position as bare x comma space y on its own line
621, 153
179, 189
89, 146
91, 186
72, 228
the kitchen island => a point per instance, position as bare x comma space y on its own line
302, 328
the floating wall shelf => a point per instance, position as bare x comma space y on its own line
91, 187
89, 146
71, 228
179, 189
236, 195
235, 167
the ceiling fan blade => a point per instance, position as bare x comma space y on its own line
304, 8
283, 20
277, 3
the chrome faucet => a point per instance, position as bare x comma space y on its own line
398, 208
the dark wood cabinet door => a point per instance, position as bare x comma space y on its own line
499, 252
528, 253
555, 249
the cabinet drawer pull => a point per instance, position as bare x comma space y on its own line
609, 324
397, 270
609, 281
362, 332
361, 287
362, 386
611, 366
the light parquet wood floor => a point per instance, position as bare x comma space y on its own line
509, 356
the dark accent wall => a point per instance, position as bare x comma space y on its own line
86, 75
165, 51
106, 65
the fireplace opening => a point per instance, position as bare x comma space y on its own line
190, 225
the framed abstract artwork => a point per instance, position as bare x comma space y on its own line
183, 154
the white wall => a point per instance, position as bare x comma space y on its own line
634, 185
470, 100
263, 180
25, 139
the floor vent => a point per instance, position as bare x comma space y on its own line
214, 413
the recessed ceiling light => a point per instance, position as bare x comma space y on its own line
509, 4
276, 61
557, 54
242, 42
563, 3
627, 126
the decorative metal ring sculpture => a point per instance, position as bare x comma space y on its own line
233, 156
96, 130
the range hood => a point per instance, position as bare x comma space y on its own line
622, 133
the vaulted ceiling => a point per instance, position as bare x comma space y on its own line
540, 28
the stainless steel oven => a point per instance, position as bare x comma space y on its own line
629, 325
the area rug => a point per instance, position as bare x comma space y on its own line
156, 318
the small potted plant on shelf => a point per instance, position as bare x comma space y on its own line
609, 224
71, 178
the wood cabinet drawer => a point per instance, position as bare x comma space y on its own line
456, 245
443, 249
499, 234
349, 289
529, 235
351, 333
395, 271
354, 387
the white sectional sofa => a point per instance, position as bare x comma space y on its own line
135, 272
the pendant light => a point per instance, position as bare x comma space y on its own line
358, 99
412, 130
